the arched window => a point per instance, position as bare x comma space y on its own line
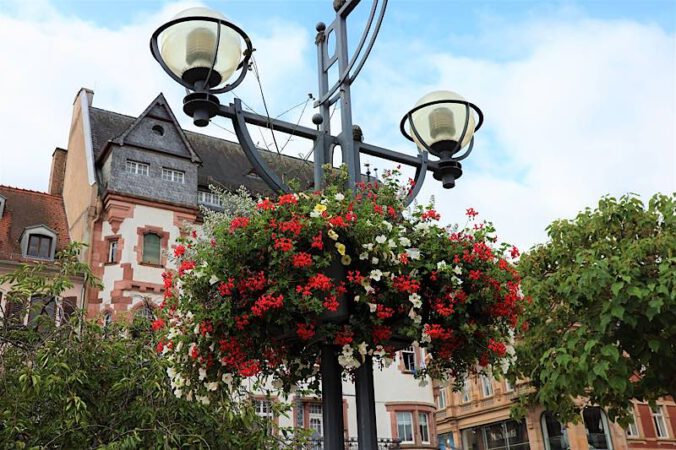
151, 248
596, 426
555, 435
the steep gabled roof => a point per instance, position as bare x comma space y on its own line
25, 209
223, 161
157, 129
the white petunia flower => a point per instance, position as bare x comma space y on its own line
457, 270
404, 241
441, 265
388, 225
391, 243
214, 279
314, 214
203, 399
363, 256
203, 373
211, 386
381, 239
375, 275
373, 307
415, 299
375, 260
413, 253
340, 197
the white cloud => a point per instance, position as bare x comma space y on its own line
575, 108
588, 109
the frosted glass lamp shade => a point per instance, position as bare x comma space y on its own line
190, 48
440, 125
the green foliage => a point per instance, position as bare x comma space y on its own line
79, 386
602, 322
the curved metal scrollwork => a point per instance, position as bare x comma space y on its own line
251, 151
419, 178
358, 59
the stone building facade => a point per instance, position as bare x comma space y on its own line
478, 418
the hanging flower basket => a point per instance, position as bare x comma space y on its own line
354, 269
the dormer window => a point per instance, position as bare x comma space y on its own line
209, 198
39, 246
38, 242
173, 175
137, 168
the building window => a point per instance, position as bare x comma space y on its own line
441, 398
264, 410
424, 427
137, 168
658, 420
408, 358
596, 424
315, 419
632, 428
405, 427
446, 441
41, 306
68, 308
151, 248
146, 313
508, 386
555, 434
208, 198
173, 175
112, 251
39, 246
466, 391
510, 435
486, 386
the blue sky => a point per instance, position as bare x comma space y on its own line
579, 96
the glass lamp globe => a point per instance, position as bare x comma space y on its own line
189, 48
440, 125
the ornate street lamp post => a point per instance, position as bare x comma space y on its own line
202, 50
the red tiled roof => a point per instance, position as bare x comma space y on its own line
25, 208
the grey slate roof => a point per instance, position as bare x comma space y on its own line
223, 161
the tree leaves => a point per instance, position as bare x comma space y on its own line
603, 297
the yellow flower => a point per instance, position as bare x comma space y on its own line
341, 248
346, 260
320, 208
332, 234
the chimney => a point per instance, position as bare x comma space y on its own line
58, 172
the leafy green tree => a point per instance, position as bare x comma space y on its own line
601, 328
81, 386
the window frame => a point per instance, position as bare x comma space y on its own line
137, 167
41, 238
214, 199
486, 385
658, 412
410, 424
316, 416
411, 352
173, 175
441, 398
426, 415
144, 259
632, 430
466, 392
545, 431
604, 422
113, 245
